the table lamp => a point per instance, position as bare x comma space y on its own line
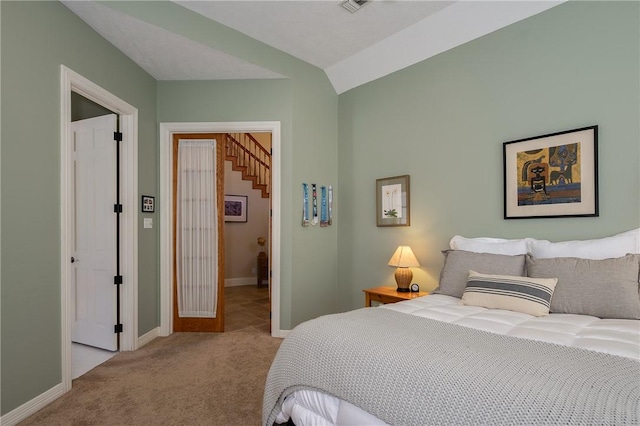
403, 259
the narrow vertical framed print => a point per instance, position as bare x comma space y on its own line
392, 201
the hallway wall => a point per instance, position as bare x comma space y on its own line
240, 238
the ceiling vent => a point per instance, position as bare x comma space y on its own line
353, 5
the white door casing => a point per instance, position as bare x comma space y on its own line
93, 257
166, 212
72, 81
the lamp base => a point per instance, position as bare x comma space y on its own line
403, 279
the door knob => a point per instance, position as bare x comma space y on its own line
73, 259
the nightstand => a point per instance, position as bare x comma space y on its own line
389, 295
263, 270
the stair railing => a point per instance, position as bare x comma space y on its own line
251, 158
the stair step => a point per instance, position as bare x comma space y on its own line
246, 175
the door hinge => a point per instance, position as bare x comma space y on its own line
117, 279
117, 136
117, 208
117, 328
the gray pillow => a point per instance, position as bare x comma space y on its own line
458, 263
606, 288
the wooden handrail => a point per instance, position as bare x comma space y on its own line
258, 144
247, 151
251, 158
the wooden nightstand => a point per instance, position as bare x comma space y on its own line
389, 295
263, 270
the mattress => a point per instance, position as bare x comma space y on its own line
612, 336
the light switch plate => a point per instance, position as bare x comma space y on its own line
148, 222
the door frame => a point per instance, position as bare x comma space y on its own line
70, 81
166, 212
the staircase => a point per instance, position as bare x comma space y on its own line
251, 159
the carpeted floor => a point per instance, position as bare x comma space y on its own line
183, 379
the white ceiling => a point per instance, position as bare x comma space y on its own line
319, 32
352, 48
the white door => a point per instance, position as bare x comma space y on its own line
93, 267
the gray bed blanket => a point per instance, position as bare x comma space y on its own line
408, 370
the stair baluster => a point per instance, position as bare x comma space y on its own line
251, 159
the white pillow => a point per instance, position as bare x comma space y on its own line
597, 249
520, 294
490, 245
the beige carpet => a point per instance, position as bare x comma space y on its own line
183, 379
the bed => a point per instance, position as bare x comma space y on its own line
519, 332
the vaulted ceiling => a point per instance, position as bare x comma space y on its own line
352, 48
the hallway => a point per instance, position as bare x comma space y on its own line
246, 307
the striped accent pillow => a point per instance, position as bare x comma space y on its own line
521, 294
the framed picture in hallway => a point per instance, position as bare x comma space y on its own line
148, 204
554, 175
235, 208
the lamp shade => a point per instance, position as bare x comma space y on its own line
404, 258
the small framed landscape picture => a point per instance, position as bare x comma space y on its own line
235, 208
148, 204
554, 175
392, 201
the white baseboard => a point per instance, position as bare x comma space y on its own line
280, 333
39, 402
148, 337
236, 282
30, 407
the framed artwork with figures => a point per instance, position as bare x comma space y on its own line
553, 175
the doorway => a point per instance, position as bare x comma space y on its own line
247, 231
166, 201
94, 235
72, 82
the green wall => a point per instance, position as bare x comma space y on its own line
307, 106
240, 100
37, 37
443, 122
308, 150
83, 108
